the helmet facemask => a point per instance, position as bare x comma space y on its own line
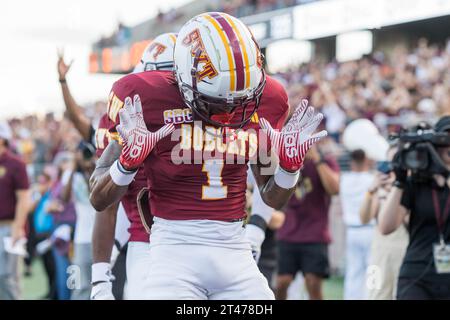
152, 66
219, 111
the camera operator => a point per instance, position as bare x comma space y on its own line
425, 271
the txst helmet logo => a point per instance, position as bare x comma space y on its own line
194, 40
158, 48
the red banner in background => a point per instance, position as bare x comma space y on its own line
117, 59
136, 51
107, 59
93, 63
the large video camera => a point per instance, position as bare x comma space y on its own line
417, 151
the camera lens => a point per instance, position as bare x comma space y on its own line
416, 159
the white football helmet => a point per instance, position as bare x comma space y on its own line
218, 66
158, 55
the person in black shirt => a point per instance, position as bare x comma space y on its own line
427, 205
267, 262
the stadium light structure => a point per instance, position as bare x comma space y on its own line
285, 53
353, 45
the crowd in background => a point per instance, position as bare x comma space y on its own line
242, 8
120, 37
61, 217
390, 90
237, 8
398, 89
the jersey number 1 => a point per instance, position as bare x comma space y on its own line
215, 189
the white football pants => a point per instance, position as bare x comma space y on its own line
202, 259
137, 264
359, 242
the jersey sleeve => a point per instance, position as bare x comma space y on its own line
283, 107
102, 135
120, 90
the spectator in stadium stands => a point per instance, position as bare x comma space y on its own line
353, 187
334, 115
41, 227
64, 216
387, 252
123, 34
76, 189
41, 150
74, 112
304, 236
15, 204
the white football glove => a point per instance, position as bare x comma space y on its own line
102, 282
102, 291
293, 142
138, 142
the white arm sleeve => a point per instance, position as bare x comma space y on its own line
122, 225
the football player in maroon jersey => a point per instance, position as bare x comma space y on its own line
157, 56
195, 131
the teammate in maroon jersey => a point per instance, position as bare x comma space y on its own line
135, 205
157, 56
216, 106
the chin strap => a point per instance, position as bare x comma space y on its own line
194, 70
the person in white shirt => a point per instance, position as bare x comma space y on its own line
387, 251
353, 187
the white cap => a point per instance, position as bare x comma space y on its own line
62, 232
363, 134
427, 105
5, 131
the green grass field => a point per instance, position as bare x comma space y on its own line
35, 286
334, 288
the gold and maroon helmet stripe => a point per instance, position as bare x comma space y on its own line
223, 37
236, 48
243, 48
173, 38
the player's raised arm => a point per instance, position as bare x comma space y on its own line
290, 145
117, 166
74, 111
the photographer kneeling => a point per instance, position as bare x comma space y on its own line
425, 197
